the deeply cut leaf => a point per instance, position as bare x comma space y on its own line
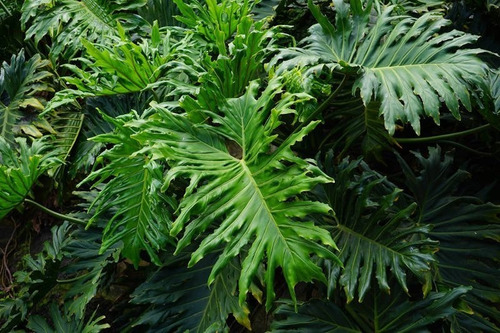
20, 170
248, 193
180, 300
132, 194
406, 64
372, 232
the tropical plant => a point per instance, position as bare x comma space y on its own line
66, 21
213, 175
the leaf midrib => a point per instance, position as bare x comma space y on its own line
248, 173
87, 5
369, 240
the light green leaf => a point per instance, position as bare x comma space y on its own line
20, 170
248, 194
409, 65
124, 66
132, 194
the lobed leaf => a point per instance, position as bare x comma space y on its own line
373, 233
409, 65
241, 192
132, 193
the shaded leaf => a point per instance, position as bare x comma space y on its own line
468, 231
381, 313
180, 299
373, 233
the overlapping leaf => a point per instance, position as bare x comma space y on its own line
382, 313
468, 231
163, 63
216, 21
373, 233
179, 298
86, 151
242, 191
409, 65
20, 170
66, 21
132, 194
20, 82
64, 322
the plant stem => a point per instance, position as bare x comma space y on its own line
443, 136
464, 147
55, 214
9, 13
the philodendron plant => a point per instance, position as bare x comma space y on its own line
216, 175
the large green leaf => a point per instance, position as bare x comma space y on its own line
20, 170
246, 192
132, 194
179, 298
468, 231
20, 82
381, 313
66, 21
373, 233
409, 65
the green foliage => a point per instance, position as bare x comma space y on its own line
196, 132
229, 167
19, 170
127, 67
67, 21
162, 11
382, 313
468, 233
179, 298
372, 232
216, 22
86, 150
407, 67
20, 83
35, 281
65, 323
140, 211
